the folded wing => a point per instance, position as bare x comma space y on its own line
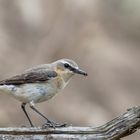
30, 77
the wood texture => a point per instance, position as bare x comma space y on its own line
120, 127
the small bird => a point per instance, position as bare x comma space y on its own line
39, 84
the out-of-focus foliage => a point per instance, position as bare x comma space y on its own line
103, 37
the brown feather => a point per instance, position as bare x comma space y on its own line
30, 77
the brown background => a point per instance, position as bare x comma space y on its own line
103, 37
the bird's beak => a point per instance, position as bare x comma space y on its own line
79, 71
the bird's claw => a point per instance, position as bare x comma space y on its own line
51, 124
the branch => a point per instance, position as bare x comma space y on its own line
122, 126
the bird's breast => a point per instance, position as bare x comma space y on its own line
51, 88
58, 83
37, 92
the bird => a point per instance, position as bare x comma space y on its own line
40, 83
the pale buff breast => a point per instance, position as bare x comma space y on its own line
38, 92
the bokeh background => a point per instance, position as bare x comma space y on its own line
102, 36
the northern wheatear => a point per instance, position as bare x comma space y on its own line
40, 83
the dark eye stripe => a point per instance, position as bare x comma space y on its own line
66, 65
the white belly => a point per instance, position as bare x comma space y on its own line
33, 92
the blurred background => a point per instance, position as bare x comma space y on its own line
103, 37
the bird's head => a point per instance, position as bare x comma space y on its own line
67, 68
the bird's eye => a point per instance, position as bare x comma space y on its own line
66, 65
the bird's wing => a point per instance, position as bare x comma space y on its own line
30, 77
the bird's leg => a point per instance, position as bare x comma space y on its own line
49, 123
24, 110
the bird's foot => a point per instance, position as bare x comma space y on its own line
51, 124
